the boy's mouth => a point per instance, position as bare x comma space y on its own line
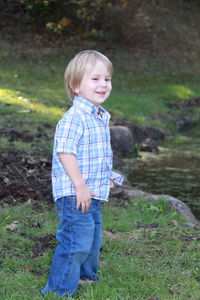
101, 93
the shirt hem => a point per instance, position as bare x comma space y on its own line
96, 198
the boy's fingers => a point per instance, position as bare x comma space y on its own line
78, 204
87, 206
84, 209
84, 206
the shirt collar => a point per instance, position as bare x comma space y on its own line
89, 107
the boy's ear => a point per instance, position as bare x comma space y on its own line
76, 90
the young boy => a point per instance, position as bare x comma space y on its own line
81, 173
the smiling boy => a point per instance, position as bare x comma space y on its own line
81, 172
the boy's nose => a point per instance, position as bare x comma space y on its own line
103, 82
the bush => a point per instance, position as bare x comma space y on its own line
114, 20
126, 24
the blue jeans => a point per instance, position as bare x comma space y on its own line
77, 254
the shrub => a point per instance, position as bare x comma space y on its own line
115, 20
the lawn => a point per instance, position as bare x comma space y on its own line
146, 253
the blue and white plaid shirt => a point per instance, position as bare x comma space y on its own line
86, 134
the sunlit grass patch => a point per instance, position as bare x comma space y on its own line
26, 105
182, 92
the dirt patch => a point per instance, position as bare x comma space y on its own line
24, 178
43, 244
192, 102
14, 135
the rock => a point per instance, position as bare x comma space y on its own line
175, 204
189, 225
13, 226
122, 141
149, 145
85, 281
182, 121
125, 134
143, 225
155, 133
117, 161
140, 133
37, 225
185, 122
179, 206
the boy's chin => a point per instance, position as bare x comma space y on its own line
97, 102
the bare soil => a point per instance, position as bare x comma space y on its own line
24, 178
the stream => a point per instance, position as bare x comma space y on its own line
175, 171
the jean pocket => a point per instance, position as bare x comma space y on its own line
73, 204
60, 203
60, 208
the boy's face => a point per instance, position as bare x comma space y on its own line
95, 85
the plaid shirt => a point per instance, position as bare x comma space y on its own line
86, 134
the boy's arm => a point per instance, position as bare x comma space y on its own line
83, 194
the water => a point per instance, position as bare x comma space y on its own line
176, 174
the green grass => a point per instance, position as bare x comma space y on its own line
137, 262
32, 86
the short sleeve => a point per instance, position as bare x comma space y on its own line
68, 134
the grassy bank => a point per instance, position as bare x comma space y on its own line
146, 253
32, 86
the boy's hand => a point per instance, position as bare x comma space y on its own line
83, 194
112, 184
84, 198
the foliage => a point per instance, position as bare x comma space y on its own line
100, 19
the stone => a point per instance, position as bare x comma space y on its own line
122, 141
140, 133
117, 161
13, 226
185, 122
179, 206
149, 145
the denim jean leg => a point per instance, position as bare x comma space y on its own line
75, 236
90, 266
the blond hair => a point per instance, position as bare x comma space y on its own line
77, 66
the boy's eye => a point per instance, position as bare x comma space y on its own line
94, 78
108, 79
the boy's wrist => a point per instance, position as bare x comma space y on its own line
79, 185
